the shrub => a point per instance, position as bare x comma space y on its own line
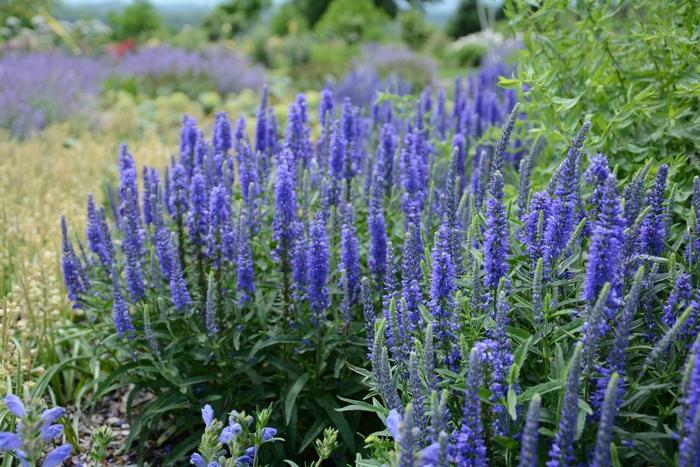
233, 17
287, 19
415, 32
627, 65
137, 20
469, 55
353, 21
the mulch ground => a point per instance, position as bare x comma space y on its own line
110, 411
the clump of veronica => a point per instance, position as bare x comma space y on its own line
562, 451
470, 448
74, 276
35, 433
496, 243
233, 444
318, 267
442, 287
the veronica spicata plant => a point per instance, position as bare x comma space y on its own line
234, 276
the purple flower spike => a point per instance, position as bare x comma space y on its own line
562, 451
318, 269
470, 449
528, 448
496, 246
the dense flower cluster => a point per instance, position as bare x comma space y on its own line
500, 301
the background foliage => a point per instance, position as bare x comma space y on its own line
630, 67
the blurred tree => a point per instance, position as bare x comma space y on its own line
23, 10
313, 10
233, 17
466, 19
415, 31
287, 19
353, 21
135, 21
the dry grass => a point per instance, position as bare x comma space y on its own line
42, 178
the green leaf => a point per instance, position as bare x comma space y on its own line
564, 103
512, 399
312, 433
541, 389
292, 395
614, 458
360, 406
275, 340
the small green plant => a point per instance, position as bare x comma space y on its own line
101, 438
